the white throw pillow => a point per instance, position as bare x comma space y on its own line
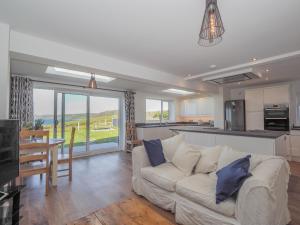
186, 158
230, 155
170, 146
209, 159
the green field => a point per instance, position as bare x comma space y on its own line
103, 128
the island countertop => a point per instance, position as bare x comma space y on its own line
252, 133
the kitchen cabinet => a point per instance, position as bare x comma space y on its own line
257, 98
255, 120
254, 100
276, 95
197, 107
295, 145
271, 146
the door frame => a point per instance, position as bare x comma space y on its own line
87, 92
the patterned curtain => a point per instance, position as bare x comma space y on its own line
129, 107
21, 99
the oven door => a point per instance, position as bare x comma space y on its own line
280, 124
277, 113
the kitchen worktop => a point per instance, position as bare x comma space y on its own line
253, 133
171, 124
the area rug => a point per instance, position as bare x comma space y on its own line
133, 211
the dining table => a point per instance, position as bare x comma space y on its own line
54, 144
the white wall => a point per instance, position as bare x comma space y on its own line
25, 47
4, 71
140, 105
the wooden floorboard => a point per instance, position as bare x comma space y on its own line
98, 182
132, 211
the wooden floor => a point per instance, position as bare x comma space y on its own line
98, 182
134, 211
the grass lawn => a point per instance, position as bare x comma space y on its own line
103, 128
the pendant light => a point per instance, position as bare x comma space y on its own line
212, 27
93, 83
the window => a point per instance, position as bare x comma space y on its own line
96, 118
157, 110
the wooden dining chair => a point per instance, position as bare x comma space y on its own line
67, 158
34, 154
131, 137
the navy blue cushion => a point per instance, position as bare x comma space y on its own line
231, 178
154, 151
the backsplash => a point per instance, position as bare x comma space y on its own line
194, 118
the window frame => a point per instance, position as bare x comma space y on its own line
69, 90
160, 120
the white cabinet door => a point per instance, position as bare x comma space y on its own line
254, 100
295, 145
277, 95
255, 120
205, 106
197, 107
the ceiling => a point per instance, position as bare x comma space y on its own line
273, 72
162, 34
37, 71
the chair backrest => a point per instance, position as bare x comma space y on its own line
72, 142
35, 143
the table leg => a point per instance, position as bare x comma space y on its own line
54, 152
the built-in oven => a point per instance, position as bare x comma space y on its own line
276, 117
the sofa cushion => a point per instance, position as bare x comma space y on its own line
209, 159
185, 158
155, 152
170, 146
229, 155
201, 189
165, 175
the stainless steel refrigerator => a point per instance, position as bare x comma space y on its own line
235, 115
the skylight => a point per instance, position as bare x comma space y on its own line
77, 74
178, 91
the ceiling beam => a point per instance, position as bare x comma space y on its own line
260, 62
27, 47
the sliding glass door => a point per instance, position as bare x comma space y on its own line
44, 109
75, 115
96, 119
104, 122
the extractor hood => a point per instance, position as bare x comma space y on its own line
232, 77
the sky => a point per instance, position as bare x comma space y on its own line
43, 101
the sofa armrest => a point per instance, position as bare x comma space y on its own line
263, 198
139, 161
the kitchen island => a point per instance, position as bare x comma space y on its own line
148, 131
256, 141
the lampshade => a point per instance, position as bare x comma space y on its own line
93, 83
212, 27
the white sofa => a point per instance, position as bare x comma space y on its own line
262, 200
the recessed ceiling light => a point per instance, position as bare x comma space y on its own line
178, 91
213, 66
253, 59
267, 70
77, 74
